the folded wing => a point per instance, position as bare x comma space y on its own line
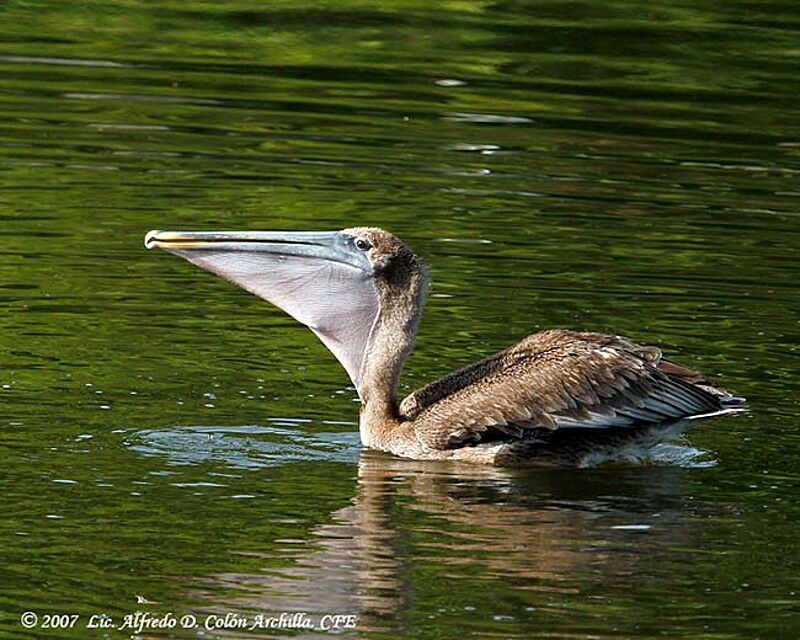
558, 379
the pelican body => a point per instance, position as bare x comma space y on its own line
361, 291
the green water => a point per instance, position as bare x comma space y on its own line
631, 167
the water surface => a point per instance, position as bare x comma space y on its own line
170, 444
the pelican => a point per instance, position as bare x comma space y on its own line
361, 291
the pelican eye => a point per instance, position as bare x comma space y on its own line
362, 244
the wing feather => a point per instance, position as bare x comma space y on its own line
557, 379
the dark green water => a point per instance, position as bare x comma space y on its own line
615, 166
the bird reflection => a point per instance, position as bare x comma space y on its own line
539, 532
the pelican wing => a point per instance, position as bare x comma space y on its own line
558, 379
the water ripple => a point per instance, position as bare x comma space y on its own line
245, 447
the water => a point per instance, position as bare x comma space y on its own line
171, 444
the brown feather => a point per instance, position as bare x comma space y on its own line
551, 377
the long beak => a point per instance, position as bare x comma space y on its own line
320, 279
333, 246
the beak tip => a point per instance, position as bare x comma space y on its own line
150, 241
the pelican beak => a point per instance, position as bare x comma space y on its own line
331, 246
320, 279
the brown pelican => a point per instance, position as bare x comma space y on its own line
361, 291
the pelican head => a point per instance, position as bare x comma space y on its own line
339, 284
